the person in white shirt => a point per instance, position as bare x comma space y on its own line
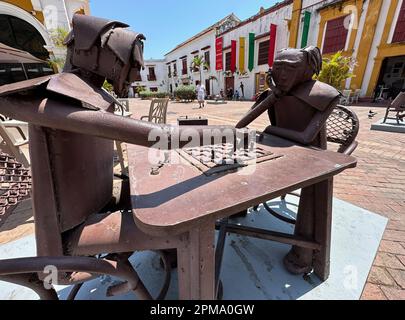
200, 94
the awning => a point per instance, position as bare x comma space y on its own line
12, 55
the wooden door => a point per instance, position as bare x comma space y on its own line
208, 87
261, 84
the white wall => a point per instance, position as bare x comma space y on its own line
205, 40
259, 26
160, 72
58, 13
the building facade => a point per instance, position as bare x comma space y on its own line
239, 53
28, 24
153, 77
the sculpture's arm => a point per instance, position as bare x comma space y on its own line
63, 116
309, 134
266, 101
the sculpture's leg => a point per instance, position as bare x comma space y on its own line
196, 264
313, 223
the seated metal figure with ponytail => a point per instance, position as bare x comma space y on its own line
298, 109
298, 106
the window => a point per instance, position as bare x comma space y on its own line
263, 55
207, 59
335, 35
151, 75
175, 69
184, 62
195, 68
153, 89
399, 33
138, 76
169, 71
228, 61
35, 70
14, 72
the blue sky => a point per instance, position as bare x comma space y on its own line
167, 23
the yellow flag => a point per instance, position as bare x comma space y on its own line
242, 55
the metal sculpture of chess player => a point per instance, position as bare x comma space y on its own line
298, 108
72, 127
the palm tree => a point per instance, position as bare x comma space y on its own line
199, 63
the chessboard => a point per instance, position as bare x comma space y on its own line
218, 158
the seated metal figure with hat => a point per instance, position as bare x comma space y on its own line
72, 128
298, 108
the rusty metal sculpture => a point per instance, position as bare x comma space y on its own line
298, 109
72, 128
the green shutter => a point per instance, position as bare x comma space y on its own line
251, 51
305, 30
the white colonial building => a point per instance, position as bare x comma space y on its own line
152, 77
372, 32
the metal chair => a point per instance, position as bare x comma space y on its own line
397, 106
121, 109
345, 99
15, 183
157, 111
356, 96
9, 144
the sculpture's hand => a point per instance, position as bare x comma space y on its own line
265, 101
260, 98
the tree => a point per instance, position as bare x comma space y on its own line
336, 70
199, 63
58, 36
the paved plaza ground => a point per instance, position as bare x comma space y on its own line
377, 184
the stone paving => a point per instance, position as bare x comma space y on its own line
377, 184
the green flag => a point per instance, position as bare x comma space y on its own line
251, 51
305, 30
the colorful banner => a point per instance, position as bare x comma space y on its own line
242, 55
251, 51
305, 30
219, 43
233, 56
272, 47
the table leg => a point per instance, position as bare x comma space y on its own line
314, 220
196, 264
323, 228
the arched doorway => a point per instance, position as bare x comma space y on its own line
17, 33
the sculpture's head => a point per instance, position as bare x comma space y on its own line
105, 50
294, 66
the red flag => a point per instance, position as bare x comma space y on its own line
219, 42
272, 47
233, 56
